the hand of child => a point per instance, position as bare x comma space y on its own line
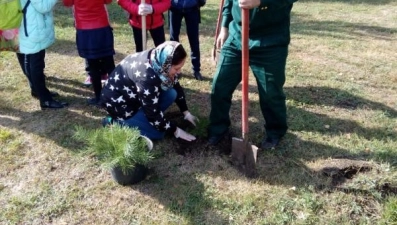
145, 9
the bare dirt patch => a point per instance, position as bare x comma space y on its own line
343, 172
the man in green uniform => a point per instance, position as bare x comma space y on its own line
269, 37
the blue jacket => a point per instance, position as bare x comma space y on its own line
184, 4
39, 26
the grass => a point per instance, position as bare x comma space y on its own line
341, 96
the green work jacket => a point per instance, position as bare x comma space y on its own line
269, 23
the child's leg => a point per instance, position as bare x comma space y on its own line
158, 35
108, 63
107, 67
137, 34
87, 81
95, 73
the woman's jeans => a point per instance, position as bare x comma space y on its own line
140, 121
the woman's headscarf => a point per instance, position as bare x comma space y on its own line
161, 61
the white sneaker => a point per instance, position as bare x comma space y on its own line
104, 78
87, 81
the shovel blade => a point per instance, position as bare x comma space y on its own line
244, 156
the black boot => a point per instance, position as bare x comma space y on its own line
198, 75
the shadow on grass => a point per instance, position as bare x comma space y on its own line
58, 124
322, 95
339, 30
182, 194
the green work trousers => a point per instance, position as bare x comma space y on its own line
268, 67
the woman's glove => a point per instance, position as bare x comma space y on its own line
145, 9
189, 117
179, 133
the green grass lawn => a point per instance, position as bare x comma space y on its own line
336, 165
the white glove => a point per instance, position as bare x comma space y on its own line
189, 117
145, 9
179, 133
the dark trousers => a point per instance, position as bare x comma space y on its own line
33, 67
98, 67
192, 20
157, 34
268, 67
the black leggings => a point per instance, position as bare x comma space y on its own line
157, 34
98, 67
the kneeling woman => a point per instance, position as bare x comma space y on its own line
143, 86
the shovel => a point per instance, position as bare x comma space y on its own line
243, 152
143, 29
218, 24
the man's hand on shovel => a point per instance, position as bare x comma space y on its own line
217, 30
220, 40
249, 4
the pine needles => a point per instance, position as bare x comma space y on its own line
115, 146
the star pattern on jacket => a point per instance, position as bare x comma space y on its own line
134, 86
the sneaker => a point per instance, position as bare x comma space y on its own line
107, 121
270, 143
215, 139
87, 81
198, 75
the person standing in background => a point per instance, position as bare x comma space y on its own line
94, 39
190, 10
35, 35
153, 10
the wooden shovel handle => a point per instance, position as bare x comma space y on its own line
244, 69
218, 28
143, 23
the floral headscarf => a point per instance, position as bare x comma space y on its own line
161, 60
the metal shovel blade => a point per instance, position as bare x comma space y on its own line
243, 152
244, 156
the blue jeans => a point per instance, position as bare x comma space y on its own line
140, 121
